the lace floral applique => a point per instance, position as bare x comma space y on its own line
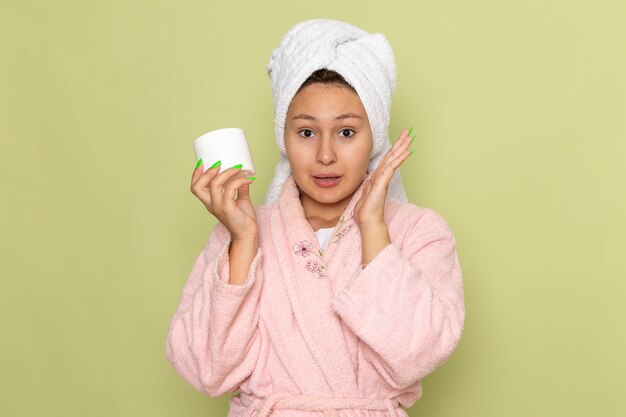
304, 248
339, 234
342, 234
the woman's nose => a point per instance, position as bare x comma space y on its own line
325, 153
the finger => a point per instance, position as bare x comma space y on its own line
385, 173
233, 191
216, 186
237, 175
224, 176
363, 195
200, 178
197, 171
367, 187
393, 149
403, 135
399, 159
402, 139
397, 149
392, 165
402, 143
244, 191
233, 183
220, 184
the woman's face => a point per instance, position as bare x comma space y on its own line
327, 133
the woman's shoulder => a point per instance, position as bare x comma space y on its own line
263, 210
400, 216
407, 216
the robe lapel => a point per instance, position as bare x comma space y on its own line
309, 284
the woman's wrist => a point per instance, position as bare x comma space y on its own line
375, 237
248, 243
249, 236
373, 225
241, 253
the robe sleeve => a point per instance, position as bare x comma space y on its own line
213, 340
406, 305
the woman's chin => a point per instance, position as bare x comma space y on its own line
332, 196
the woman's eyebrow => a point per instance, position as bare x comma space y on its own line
340, 117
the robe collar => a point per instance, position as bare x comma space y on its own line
291, 208
311, 286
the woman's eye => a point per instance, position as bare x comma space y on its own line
347, 133
307, 133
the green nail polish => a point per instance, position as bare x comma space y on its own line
215, 165
412, 138
252, 178
199, 162
410, 130
411, 153
237, 166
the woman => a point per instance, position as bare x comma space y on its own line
337, 295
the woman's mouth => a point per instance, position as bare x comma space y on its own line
326, 182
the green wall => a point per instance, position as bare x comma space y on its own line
519, 109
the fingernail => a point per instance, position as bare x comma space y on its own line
411, 153
412, 138
237, 166
215, 165
252, 178
410, 130
199, 162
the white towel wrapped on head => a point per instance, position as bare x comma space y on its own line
364, 60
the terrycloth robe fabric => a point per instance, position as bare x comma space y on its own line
311, 333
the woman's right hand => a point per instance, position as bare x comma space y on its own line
217, 192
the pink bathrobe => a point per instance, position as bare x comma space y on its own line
311, 333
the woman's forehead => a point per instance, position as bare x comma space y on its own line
326, 101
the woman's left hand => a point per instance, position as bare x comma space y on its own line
371, 205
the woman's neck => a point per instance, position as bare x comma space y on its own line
322, 215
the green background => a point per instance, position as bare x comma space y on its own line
519, 109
